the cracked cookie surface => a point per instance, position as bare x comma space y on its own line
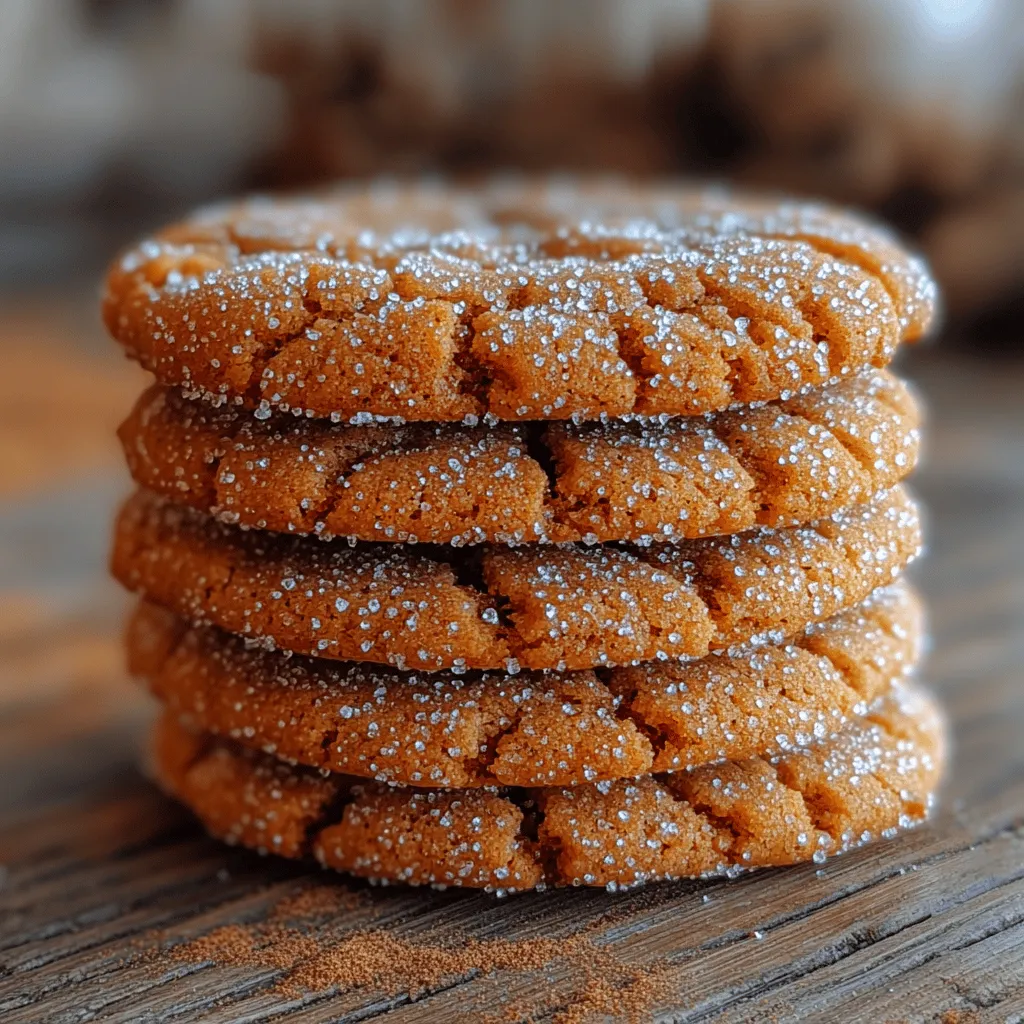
553, 607
775, 465
515, 302
531, 729
875, 778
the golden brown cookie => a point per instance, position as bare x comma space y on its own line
877, 777
775, 465
499, 607
531, 729
519, 303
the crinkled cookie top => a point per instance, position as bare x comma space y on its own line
514, 301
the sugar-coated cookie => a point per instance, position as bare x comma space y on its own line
520, 302
877, 777
534, 728
494, 607
779, 464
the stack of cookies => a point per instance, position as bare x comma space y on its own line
528, 535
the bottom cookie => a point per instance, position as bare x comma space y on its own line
871, 781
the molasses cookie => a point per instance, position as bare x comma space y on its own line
518, 303
534, 728
875, 778
492, 607
774, 465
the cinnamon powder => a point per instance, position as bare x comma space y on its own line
295, 940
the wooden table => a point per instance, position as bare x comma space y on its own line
103, 876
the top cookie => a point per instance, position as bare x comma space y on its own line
514, 302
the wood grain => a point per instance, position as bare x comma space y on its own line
102, 875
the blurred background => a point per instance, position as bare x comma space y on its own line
117, 115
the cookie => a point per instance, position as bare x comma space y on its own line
877, 777
774, 465
520, 304
531, 729
500, 607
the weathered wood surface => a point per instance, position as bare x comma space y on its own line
100, 870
